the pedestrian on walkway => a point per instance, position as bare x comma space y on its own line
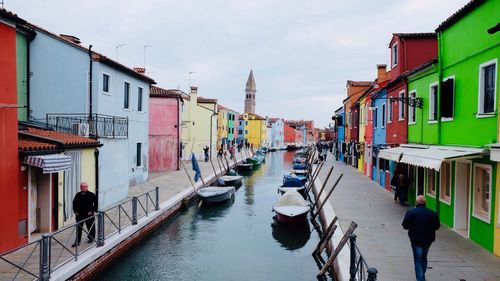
205, 151
421, 224
231, 152
84, 206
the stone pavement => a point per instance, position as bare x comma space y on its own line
385, 244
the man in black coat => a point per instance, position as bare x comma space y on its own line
421, 224
84, 206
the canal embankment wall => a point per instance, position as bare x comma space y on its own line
327, 214
92, 261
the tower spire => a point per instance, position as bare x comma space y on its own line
250, 94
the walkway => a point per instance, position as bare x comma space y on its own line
385, 243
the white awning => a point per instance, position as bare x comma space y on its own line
50, 163
495, 152
393, 154
433, 156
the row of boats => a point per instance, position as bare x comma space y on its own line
292, 206
225, 186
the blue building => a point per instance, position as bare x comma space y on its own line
339, 126
379, 116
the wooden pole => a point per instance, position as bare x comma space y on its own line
218, 163
337, 249
323, 187
213, 167
189, 177
227, 164
326, 198
316, 173
326, 237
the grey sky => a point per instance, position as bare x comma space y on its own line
302, 52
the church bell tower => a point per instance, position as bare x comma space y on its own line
250, 94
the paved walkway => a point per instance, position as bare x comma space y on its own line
385, 244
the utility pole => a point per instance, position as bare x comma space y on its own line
116, 47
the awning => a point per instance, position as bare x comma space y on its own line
393, 154
50, 163
495, 152
433, 156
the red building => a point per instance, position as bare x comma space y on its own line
164, 129
354, 128
10, 193
408, 50
289, 132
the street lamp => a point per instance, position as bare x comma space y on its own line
116, 47
145, 46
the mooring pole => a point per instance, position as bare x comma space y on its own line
323, 187
337, 250
327, 196
213, 167
316, 173
325, 235
189, 177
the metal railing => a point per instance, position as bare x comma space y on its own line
38, 259
359, 269
95, 125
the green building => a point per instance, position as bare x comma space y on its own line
450, 134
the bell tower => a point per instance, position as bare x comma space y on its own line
250, 94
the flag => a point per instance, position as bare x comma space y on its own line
196, 168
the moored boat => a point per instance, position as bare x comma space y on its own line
231, 180
215, 194
244, 166
294, 177
291, 208
300, 189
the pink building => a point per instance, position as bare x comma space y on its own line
164, 129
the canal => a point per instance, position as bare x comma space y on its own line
238, 240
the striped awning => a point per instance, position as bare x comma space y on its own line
50, 163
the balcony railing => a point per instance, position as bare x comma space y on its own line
94, 126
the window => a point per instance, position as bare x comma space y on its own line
482, 191
126, 95
433, 93
375, 117
139, 154
139, 99
487, 77
445, 184
394, 55
366, 113
447, 96
389, 113
412, 110
383, 115
401, 106
246, 132
431, 182
246, 122
105, 83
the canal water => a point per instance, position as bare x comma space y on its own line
238, 240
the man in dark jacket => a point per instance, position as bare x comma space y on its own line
421, 224
84, 206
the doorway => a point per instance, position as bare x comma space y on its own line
462, 198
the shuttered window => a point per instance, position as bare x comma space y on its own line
487, 88
447, 97
433, 102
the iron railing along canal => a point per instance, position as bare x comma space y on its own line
38, 259
95, 125
359, 269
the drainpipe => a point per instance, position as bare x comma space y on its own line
440, 78
178, 134
30, 38
96, 157
90, 82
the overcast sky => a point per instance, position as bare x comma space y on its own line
302, 52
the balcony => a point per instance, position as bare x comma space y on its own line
93, 126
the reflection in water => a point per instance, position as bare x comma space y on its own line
232, 241
291, 237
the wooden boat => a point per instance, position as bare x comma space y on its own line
300, 189
291, 208
300, 172
294, 177
291, 147
244, 166
256, 160
273, 149
215, 194
231, 180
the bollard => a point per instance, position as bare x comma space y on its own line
352, 266
134, 210
157, 203
372, 274
100, 229
45, 258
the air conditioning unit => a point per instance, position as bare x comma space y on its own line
81, 129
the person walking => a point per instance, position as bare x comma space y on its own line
205, 151
84, 206
421, 224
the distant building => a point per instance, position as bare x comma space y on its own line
250, 91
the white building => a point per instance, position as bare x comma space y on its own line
277, 138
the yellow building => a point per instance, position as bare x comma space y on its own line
363, 114
199, 125
222, 125
255, 131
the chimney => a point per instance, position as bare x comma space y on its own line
381, 73
71, 38
140, 70
194, 90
